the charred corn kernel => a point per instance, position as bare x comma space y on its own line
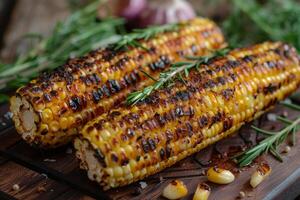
102, 79
202, 192
176, 189
220, 176
175, 122
260, 174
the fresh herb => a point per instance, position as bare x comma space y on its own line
176, 70
272, 140
80, 33
256, 21
131, 39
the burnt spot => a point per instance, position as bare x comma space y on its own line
145, 145
270, 64
216, 118
130, 133
233, 63
160, 119
209, 84
165, 59
105, 90
114, 157
233, 76
189, 128
270, 89
75, 103
114, 86
47, 97
127, 80
53, 93
162, 153
134, 76
44, 131
36, 89
108, 54
182, 95
95, 78
179, 111
151, 100
138, 158
194, 49
168, 151
121, 62
62, 111
247, 58
169, 136
96, 96
124, 162
227, 124
221, 80
151, 143
100, 157
227, 93
203, 121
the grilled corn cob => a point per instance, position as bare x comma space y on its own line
130, 143
50, 110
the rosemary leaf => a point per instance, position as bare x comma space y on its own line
176, 69
269, 144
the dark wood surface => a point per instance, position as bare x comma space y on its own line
55, 174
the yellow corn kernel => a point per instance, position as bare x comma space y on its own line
220, 176
260, 174
202, 192
176, 189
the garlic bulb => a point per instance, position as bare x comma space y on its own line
168, 11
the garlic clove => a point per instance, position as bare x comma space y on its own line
260, 174
176, 189
220, 176
202, 192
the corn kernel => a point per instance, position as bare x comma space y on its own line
220, 176
202, 192
176, 189
260, 174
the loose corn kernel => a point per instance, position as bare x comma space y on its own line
202, 192
260, 174
176, 189
220, 176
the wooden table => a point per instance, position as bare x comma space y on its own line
55, 174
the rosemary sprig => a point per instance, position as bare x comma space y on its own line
131, 39
272, 140
176, 70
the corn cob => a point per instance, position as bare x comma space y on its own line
51, 109
130, 143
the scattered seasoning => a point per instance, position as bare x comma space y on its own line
143, 184
242, 194
49, 160
271, 117
287, 149
15, 187
285, 114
